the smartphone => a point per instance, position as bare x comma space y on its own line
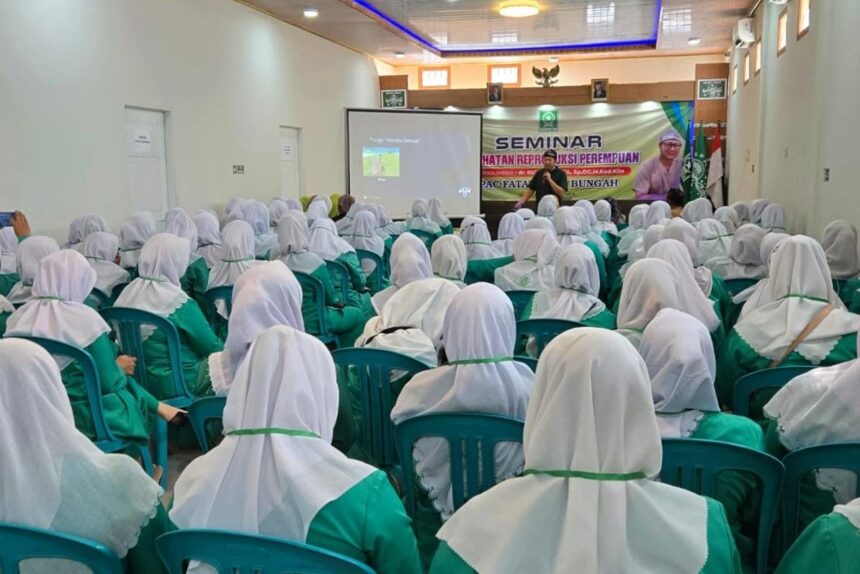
6, 218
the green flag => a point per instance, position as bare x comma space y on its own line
694, 178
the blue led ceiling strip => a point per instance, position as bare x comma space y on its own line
650, 41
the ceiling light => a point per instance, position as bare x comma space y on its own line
694, 41
553, 59
519, 8
311, 12
399, 55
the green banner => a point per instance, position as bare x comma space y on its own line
600, 146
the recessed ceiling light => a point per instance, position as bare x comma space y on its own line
553, 59
311, 12
694, 41
399, 55
519, 8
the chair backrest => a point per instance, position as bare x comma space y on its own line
223, 293
100, 298
521, 300
531, 363
314, 287
19, 543
544, 330
425, 236
471, 438
117, 290
239, 553
694, 464
751, 383
128, 323
105, 439
202, 411
378, 271
340, 278
735, 286
798, 463
375, 370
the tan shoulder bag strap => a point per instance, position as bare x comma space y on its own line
816, 321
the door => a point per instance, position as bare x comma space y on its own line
147, 161
291, 184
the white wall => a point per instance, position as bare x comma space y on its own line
228, 75
801, 116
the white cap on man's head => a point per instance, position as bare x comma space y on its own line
671, 135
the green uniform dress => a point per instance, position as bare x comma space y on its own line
7, 281
723, 301
448, 229
722, 555
343, 320
736, 358
3, 318
830, 544
847, 289
368, 523
358, 289
484, 270
195, 282
127, 408
604, 320
197, 341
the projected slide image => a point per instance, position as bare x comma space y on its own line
381, 161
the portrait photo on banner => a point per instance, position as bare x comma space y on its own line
495, 93
600, 90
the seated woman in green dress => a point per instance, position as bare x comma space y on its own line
410, 261
343, 319
714, 239
799, 291
448, 256
829, 544
195, 279
680, 357
479, 335
818, 407
533, 268
751, 298
420, 219
437, 214
101, 249
163, 261
31, 251
56, 479
364, 234
208, 236
574, 296
256, 214
584, 210
603, 213
8, 260
276, 472
133, 234
547, 206
586, 501
510, 227
839, 241
634, 230
483, 257
744, 258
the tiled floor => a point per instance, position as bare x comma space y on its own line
176, 463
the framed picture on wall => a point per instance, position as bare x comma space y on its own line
495, 93
393, 99
600, 90
715, 89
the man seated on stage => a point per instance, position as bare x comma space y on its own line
549, 180
660, 174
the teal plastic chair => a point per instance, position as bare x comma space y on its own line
735, 286
798, 463
239, 553
127, 324
105, 439
313, 289
544, 330
754, 382
223, 293
471, 437
19, 543
374, 369
521, 301
377, 276
201, 412
693, 464
531, 363
425, 236
100, 299
117, 290
340, 277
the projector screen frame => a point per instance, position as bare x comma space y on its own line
419, 111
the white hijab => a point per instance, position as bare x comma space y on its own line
293, 246
697, 210
479, 334
547, 206
437, 214
650, 285
364, 234
325, 242
728, 217
541, 223
588, 207
743, 211
265, 296
163, 262
680, 357
257, 215
577, 423
754, 296
577, 282
533, 268
208, 236
634, 230
798, 287
272, 482
773, 218
316, 210
53, 476
476, 238
692, 296
277, 208
526, 214
8, 247
510, 227
133, 234
840, 245
344, 225
180, 224
851, 511
589, 222
448, 256
569, 228
74, 235
236, 255
714, 240
657, 212
756, 209
31, 251
744, 260
684, 232
90, 224
420, 219
56, 310
603, 212
100, 249
410, 261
